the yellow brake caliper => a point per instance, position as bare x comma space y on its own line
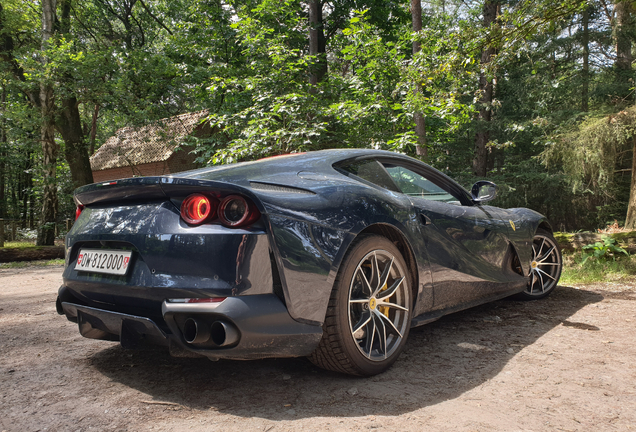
384, 309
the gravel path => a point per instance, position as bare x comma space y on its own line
565, 363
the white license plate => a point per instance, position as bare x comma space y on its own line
103, 261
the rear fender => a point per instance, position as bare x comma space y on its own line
309, 252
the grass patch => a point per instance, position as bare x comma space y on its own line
19, 245
39, 263
623, 269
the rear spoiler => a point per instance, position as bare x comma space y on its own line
147, 189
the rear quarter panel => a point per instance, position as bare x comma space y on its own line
311, 234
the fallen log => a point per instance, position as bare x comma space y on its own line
31, 253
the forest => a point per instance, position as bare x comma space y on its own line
535, 95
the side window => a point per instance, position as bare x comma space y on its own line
372, 171
416, 185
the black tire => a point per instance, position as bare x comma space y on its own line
365, 331
546, 267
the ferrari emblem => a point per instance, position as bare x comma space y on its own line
372, 303
512, 224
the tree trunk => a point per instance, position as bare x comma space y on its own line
13, 180
32, 200
585, 73
69, 124
421, 149
3, 143
480, 160
46, 230
623, 45
630, 220
93, 134
24, 195
317, 43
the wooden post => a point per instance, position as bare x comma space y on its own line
68, 225
1, 232
13, 231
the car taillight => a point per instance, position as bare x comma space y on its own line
198, 208
235, 211
78, 212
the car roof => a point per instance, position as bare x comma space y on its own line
317, 161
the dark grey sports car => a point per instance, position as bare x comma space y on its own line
333, 254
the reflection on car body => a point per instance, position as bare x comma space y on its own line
333, 255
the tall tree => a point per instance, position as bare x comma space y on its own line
585, 71
420, 121
68, 121
491, 10
621, 28
317, 43
630, 218
3, 144
46, 231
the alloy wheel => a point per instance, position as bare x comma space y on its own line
545, 267
378, 305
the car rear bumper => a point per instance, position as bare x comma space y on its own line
240, 328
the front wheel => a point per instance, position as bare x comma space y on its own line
545, 268
369, 313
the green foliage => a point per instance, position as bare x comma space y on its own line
19, 245
272, 109
247, 63
590, 151
602, 251
597, 271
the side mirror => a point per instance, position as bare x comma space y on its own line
483, 191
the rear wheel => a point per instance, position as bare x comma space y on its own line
369, 313
545, 269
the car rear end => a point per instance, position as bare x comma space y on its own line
184, 263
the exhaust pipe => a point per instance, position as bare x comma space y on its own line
224, 334
195, 331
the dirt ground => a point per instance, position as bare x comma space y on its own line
565, 363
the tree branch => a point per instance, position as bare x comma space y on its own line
154, 17
75, 14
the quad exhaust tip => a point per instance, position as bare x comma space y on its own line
197, 332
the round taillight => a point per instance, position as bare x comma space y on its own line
235, 211
198, 208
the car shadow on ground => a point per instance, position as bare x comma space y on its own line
441, 361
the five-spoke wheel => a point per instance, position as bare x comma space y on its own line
369, 312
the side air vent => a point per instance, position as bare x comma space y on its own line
266, 187
277, 284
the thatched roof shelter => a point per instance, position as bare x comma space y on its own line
150, 149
